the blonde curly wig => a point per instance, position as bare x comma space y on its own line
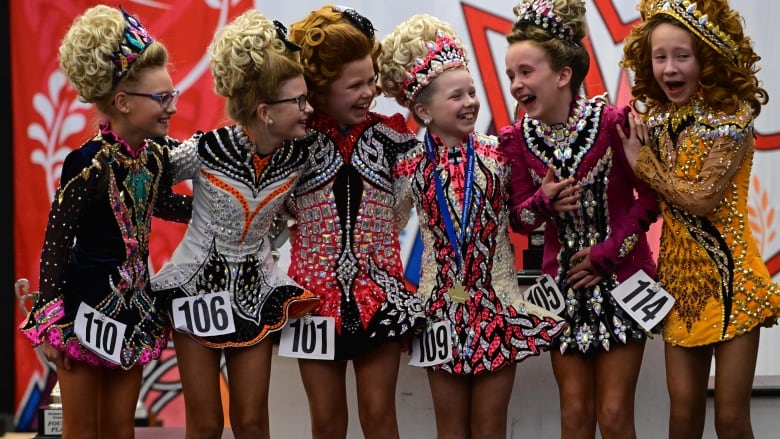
86, 50
249, 62
407, 42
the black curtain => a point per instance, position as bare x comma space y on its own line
8, 306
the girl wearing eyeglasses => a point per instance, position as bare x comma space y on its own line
349, 212
95, 318
222, 288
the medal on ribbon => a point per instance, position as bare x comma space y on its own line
458, 292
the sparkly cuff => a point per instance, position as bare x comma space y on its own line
527, 216
627, 245
36, 324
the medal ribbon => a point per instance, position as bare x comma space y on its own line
441, 198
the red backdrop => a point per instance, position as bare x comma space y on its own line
48, 122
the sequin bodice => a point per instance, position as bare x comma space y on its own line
97, 245
239, 192
611, 219
347, 215
615, 210
700, 164
237, 196
103, 210
487, 248
460, 196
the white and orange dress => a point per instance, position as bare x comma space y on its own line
227, 245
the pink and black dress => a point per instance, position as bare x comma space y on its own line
616, 210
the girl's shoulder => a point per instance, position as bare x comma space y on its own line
709, 121
743, 117
487, 140
487, 145
395, 122
613, 113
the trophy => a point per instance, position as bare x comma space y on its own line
49, 416
532, 258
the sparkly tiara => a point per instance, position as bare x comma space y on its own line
136, 40
698, 23
444, 54
540, 13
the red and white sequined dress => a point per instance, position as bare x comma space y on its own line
344, 244
494, 327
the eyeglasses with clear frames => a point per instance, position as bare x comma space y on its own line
165, 99
301, 100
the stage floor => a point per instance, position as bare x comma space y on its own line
140, 433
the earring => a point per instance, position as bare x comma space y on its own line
270, 121
426, 121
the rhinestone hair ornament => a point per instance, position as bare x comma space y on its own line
444, 54
359, 21
540, 13
281, 33
136, 40
686, 12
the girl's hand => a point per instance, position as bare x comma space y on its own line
564, 195
55, 356
581, 273
637, 137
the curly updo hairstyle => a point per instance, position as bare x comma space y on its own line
329, 40
86, 52
407, 42
249, 62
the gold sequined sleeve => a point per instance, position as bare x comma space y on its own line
701, 192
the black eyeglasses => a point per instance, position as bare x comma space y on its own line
164, 99
300, 100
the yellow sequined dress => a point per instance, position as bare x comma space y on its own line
699, 162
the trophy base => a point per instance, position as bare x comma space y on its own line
49, 423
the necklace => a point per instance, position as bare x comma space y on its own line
678, 115
558, 135
563, 145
